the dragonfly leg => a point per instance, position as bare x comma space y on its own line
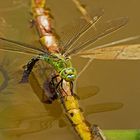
49, 94
28, 68
54, 78
63, 88
71, 87
53, 81
74, 94
59, 84
52, 87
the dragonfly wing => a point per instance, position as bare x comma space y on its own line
124, 52
19, 107
72, 32
62, 123
90, 37
87, 92
14, 46
109, 52
102, 107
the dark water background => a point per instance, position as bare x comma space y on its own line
115, 105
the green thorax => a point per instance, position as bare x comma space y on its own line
58, 61
62, 65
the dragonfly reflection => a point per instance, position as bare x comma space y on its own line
18, 107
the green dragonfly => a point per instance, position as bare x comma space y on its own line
82, 37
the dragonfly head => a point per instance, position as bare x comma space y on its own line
68, 74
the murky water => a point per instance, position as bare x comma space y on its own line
114, 102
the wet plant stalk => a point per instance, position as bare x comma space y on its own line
42, 20
82, 10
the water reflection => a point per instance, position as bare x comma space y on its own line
5, 28
11, 5
87, 92
20, 110
102, 107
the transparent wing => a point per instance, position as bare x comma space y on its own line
90, 37
87, 92
124, 52
102, 107
18, 104
107, 51
71, 33
14, 46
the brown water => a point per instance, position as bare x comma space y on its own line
115, 84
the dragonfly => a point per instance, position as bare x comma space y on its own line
13, 102
80, 39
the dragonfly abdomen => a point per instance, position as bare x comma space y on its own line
74, 114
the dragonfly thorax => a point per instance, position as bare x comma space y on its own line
62, 65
